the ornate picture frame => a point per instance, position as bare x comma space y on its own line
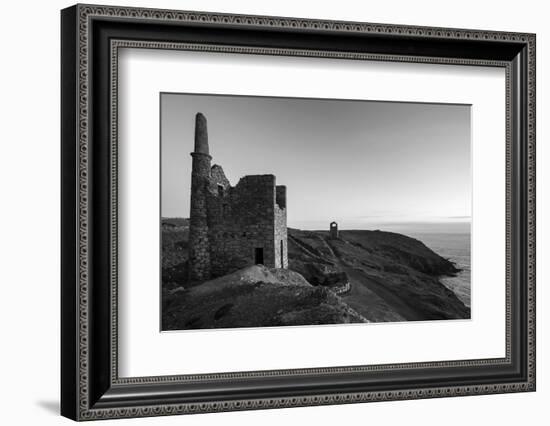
91, 37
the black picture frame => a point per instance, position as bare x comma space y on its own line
90, 386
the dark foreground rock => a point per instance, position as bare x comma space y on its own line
361, 276
255, 297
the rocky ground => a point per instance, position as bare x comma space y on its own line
255, 297
363, 276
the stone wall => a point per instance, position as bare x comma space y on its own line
280, 232
280, 196
217, 177
242, 219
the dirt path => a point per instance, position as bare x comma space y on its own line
371, 298
331, 251
303, 247
362, 287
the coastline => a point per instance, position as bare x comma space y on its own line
456, 248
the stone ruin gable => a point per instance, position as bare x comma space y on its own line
241, 219
280, 231
217, 177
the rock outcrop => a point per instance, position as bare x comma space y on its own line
255, 296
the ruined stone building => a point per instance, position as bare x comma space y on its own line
333, 230
232, 226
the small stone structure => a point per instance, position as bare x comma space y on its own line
333, 230
232, 227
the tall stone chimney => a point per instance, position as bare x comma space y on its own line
201, 135
199, 249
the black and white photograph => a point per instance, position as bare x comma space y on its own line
272, 207
300, 212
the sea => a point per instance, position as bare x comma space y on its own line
456, 248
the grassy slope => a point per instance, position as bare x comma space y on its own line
393, 277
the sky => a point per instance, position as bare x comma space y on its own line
356, 162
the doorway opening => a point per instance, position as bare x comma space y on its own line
259, 255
